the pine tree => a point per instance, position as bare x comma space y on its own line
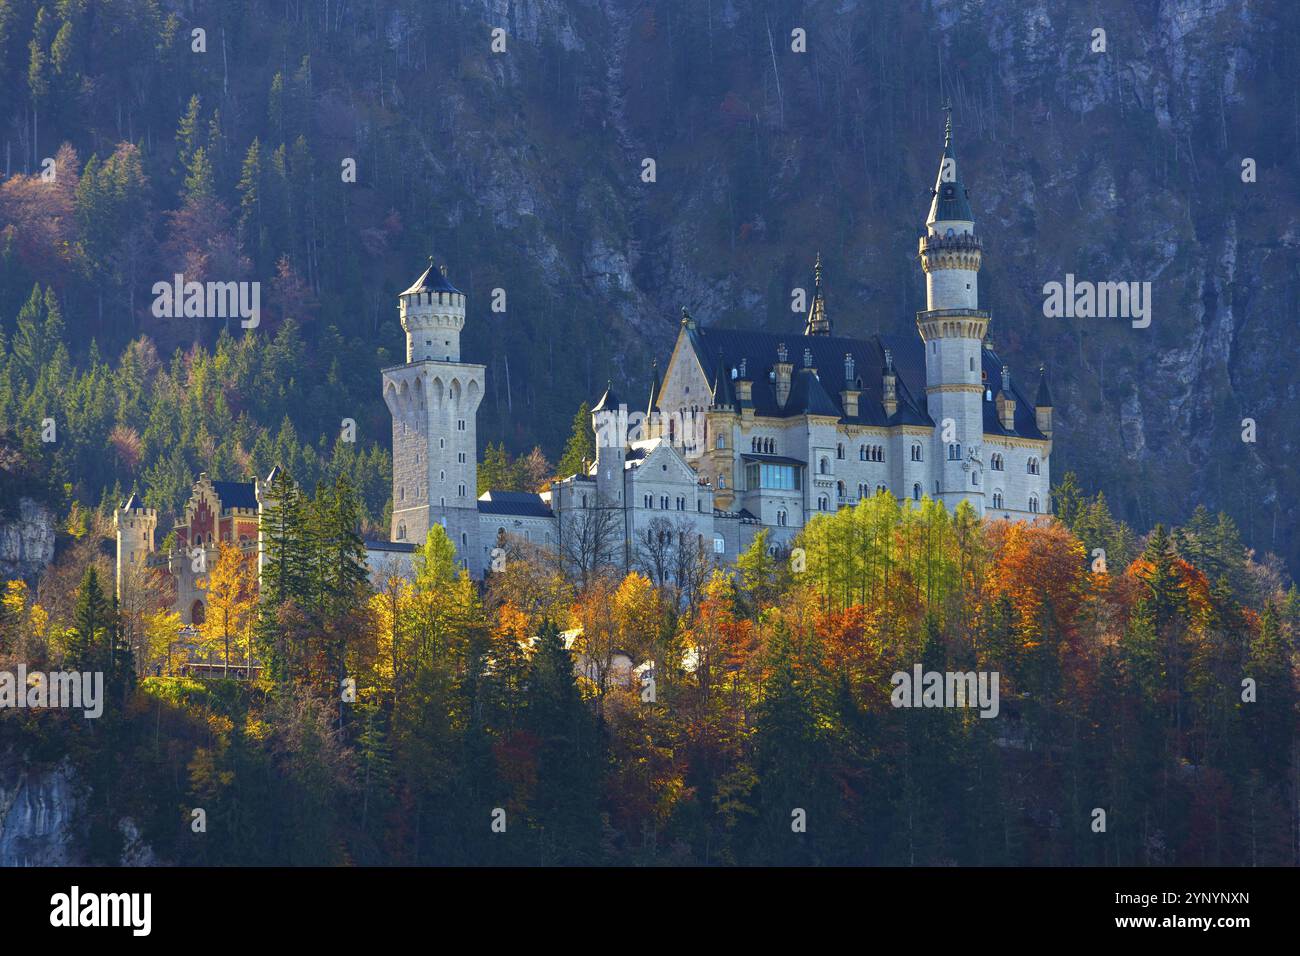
89, 644
581, 446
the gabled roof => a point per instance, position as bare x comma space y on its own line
432, 279
520, 504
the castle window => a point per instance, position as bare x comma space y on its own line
753, 445
916, 451
840, 490
972, 361
954, 452
1033, 504
780, 517
663, 502
401, 493
862, 490
464, 540
401, 531
822, 502
916, 491
975, 478
584, 501
862, 453
839, 450
648, 501
460, 425
197, 613
722, 481
681, 503
460, 489
722, 441
1031, 466
824, 467
996, 462
442, 443
880, 489
997, 499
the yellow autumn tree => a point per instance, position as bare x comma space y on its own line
232, 603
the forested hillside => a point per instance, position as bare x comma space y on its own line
470, 739
222, 157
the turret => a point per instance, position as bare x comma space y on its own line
433, 314
818, 322
1043, 404
953, 329
609, 422
134, 525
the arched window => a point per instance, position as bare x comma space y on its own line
198, 614
862, 490
780, 517
954, 451
996, 462
880, 489
722, 439
972, 363
975, 478
839, 450
997, 498
839, 490
1033, 504
862, 453
401, 493
824, 467
916, 451
753, 445
916, 491
722, 482
1032, 466
822, 503
401, 531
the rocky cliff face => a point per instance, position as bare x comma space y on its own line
38, 811
1117, 164
26, 541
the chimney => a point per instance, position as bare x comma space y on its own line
781, 375
849, 397
1006, 403
744, 387
889, 382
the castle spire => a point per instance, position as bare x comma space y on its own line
951, 202
818, 323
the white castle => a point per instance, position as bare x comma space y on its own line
746, 430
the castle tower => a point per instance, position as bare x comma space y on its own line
135, 525
434, 401
609, 422
953, 329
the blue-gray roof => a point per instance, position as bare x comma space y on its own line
521, 504
236, 494
820, 394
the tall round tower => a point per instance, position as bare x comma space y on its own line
433, 313
135, 525
953, 329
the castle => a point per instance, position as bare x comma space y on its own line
745, 431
